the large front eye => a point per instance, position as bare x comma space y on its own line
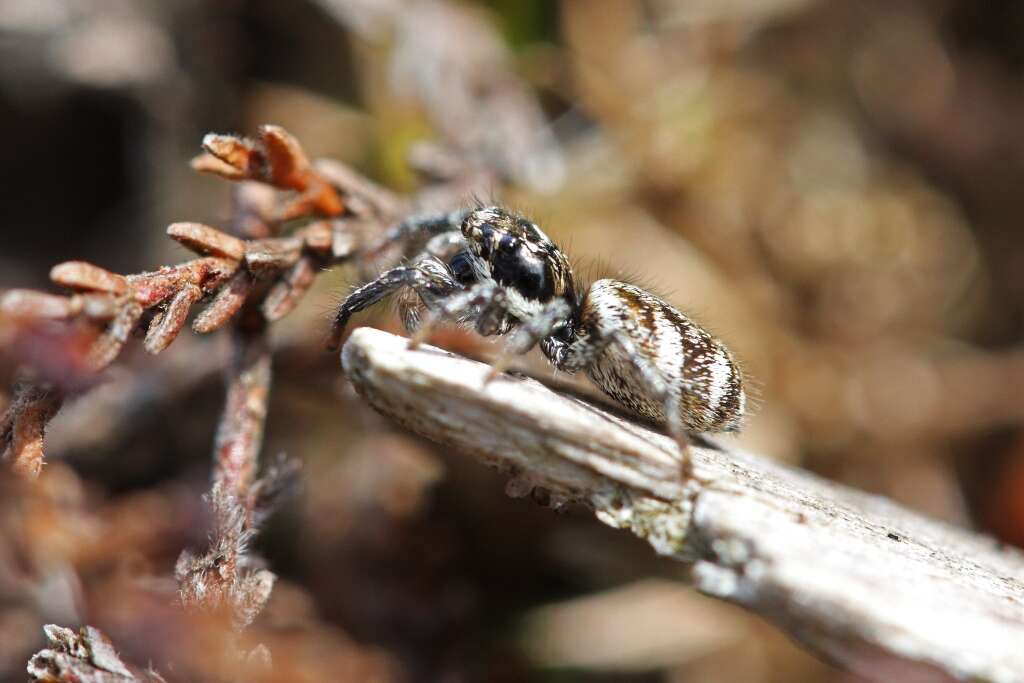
515, 266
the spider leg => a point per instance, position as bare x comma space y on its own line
427, 226
660, 389
584, 350
430, 278
445, 245
458, 307
529, 333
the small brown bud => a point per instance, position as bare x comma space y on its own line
166, 326
207, 163
100, 307
28, 303
109, 344
203, 239
288, 165
225, 304
236, 152
284, 295
87, 277
272, 254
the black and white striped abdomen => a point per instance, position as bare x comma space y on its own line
696, 367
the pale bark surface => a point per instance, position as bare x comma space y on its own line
876, 588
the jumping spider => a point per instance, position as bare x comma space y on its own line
499, 272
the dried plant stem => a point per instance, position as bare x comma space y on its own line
222, 580
23, 425
255, 270
240, 432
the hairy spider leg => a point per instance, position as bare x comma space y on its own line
483, 296
429, 277
660, 390
445, 245
581, 351
529, 333
425, 226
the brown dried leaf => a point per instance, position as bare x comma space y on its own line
207, 163
320, 199
326, 198
279, 160
205, 240
23, 425
225, 304
297, 207
87, 277
236, 152
286, 294
98, 307
109, 344
28, 303
272, 254
165, 327
288, 165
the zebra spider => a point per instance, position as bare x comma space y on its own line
500, 273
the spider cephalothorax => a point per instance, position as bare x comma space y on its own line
497, 271
519, 257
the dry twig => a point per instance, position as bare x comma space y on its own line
274, 272
23, 424
225, 580
878, 589
240, 432
252, 279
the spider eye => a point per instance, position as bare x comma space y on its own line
514, 265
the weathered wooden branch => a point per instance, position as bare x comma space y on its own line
869, 585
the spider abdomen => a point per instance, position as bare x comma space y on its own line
697, 369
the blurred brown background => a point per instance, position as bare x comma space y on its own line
832, 186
